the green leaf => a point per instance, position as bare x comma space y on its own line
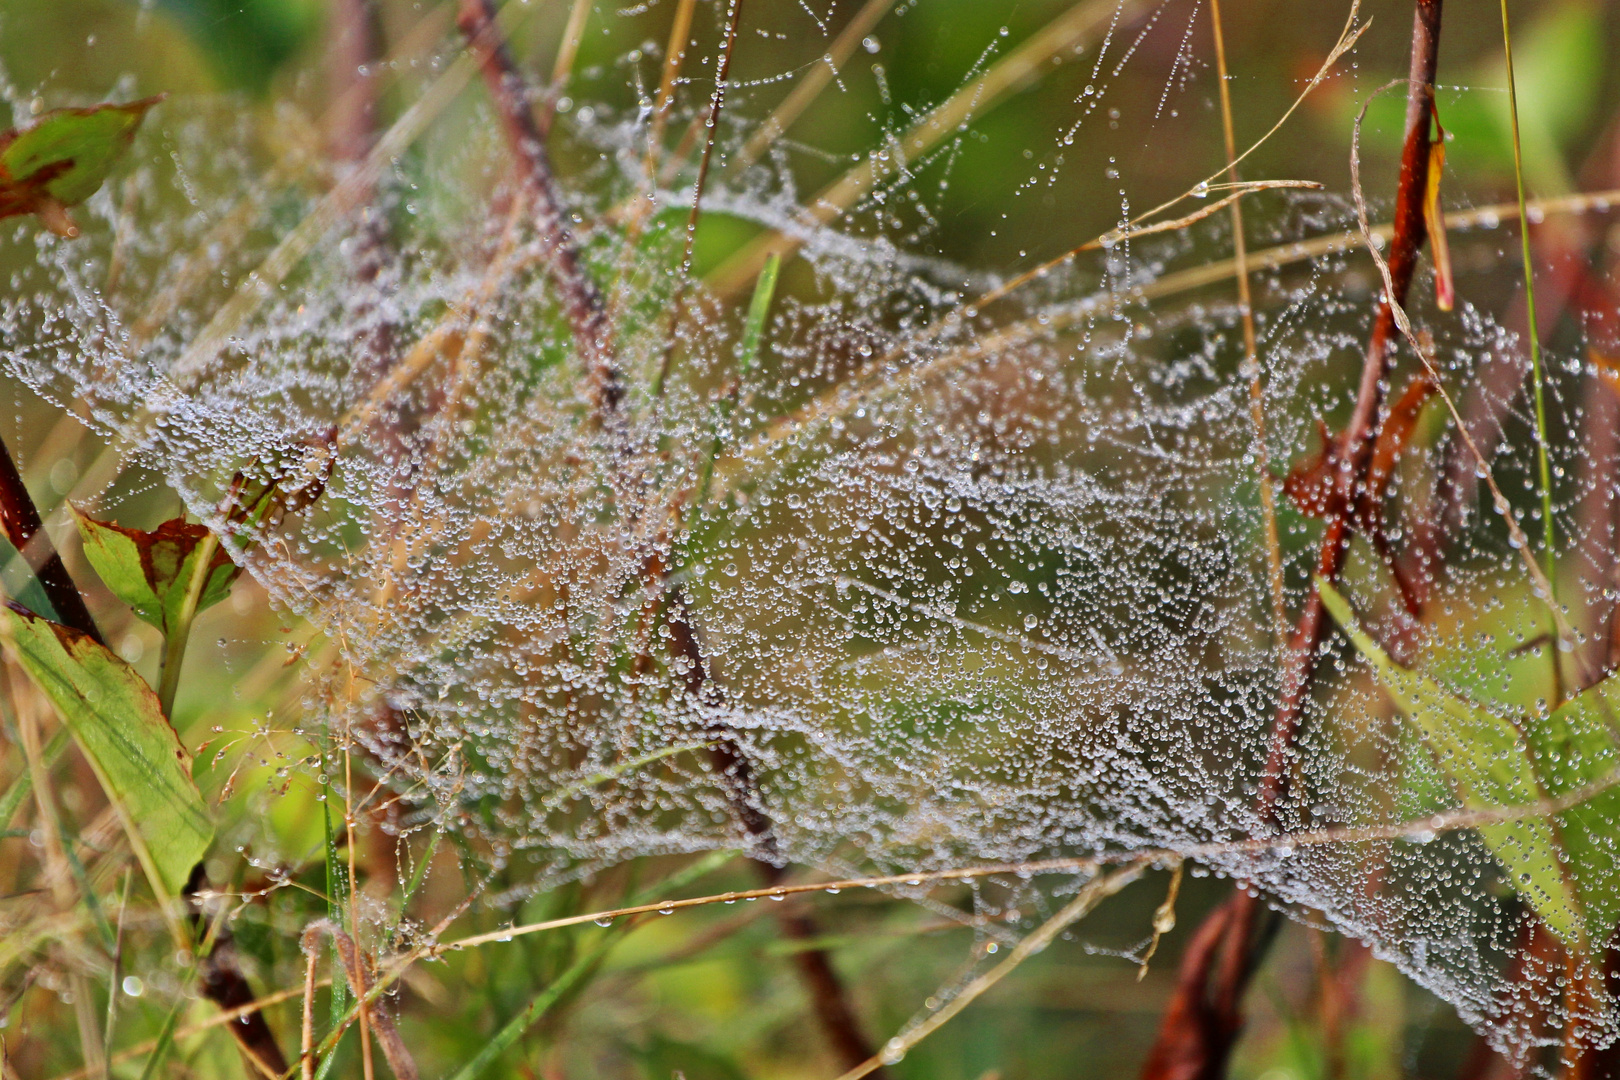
1489, 766
247, 41
151, 571
62, 158
1577, 745
115, 718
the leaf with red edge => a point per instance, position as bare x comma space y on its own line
63, 157
151, 571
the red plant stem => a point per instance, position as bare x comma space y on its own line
21, 522
828, 996
1356, 443
1204, 1017
580, 299
585, 310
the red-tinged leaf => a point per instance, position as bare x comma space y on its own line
151, 571
1434, 220
62, 158
1311, 485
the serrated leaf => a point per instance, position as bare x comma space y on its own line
115, 718
151, 571
62, 158
1489, 765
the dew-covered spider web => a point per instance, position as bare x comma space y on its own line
909, 586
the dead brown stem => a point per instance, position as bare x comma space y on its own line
1205, 1017
382, 1025
220, 978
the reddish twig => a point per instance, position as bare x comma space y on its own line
577, 293
221, 981
20, 520
1205, 1016
828, 996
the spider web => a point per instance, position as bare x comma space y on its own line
965, 588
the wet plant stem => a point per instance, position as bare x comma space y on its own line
711, 120
576, 292
1549, 528
20, 521
1204, 1018
174, 643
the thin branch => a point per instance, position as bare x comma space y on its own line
828, 996
717, 102
1093, 893
577, 293
20, 521
399, 1058
1209, 997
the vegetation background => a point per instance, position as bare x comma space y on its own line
715, 992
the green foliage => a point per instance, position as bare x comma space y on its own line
116, 720
246, 41
152, 571
63, 158
1563, 865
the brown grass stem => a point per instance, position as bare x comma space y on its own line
563, 68
1251, 358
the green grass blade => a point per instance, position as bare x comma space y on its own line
582, 966
337, 901
24, 784
758, 310
1549, 531
165, 1040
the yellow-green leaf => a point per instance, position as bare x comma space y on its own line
1577, 745
115, 718
151, 571
62, 158
1489, 765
